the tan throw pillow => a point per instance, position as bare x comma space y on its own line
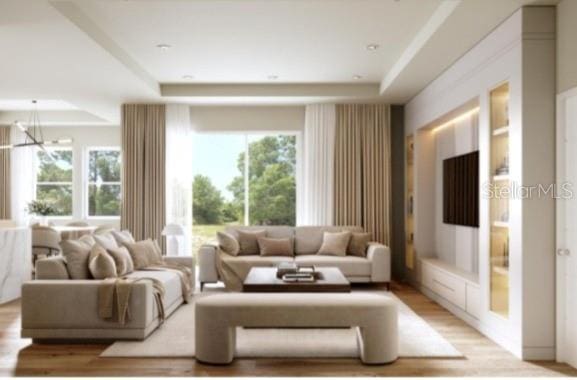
358, 244
228, 243
143, 253
248, 241
122, 259
107, 241
123, 237
335, 243
276, 247
101, 264
76, 253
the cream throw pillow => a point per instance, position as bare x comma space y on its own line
76, 253
335, 243
107, 241
123, 237
122, 259
276, 247
143, 253
358, 244
228, 243
248, 241
101, 264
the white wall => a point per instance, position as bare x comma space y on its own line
566, 45
83, 138
457, 245
247, 118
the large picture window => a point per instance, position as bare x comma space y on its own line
54, 180
104, 182
228, 189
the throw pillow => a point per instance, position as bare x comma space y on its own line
123, 237
76, 253
276, 247
101, 264
107, 241
335, 243
248, 241
157, 257
142, 253
358, 244
122, 259
228, 243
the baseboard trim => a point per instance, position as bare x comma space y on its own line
539, 353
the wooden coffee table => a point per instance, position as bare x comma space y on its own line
264, 280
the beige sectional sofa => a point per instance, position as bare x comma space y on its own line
215, 264
54, 307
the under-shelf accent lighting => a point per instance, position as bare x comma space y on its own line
457, 119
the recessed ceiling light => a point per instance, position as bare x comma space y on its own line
357, 77
187, 77
272, 77
163, 47
372, 47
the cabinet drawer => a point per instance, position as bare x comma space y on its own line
451, 288
473, 300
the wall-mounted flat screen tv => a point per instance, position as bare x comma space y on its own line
461, 190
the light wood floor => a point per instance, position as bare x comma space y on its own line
483, 357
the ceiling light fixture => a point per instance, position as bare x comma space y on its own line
372, 47
357, 77
187, 77
163, 47
272, 77
34, 134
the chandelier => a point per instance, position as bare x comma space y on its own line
33, 132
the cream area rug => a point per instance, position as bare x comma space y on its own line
175, 338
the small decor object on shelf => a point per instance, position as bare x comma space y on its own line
504, 168
505, 216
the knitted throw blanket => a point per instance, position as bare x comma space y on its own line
114, 293
114, 298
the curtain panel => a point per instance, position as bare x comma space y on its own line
179, 179
144, 168
23, 185
5, 177
315, 192
362, 177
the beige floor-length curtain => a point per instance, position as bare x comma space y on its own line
363, 168
5, 178
143, 157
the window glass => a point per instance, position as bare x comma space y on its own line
54, 180
104, 186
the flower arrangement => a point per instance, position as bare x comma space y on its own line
40, 208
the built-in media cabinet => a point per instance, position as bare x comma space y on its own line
499, 100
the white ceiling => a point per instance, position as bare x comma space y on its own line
246, 41
98, 54
41, 105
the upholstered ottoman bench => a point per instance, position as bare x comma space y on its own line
218, 316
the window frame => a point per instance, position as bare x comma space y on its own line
263, 133
86, 182
60, 183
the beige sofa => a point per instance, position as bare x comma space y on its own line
54, 307
215, 265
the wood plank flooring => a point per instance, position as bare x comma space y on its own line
19, 357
